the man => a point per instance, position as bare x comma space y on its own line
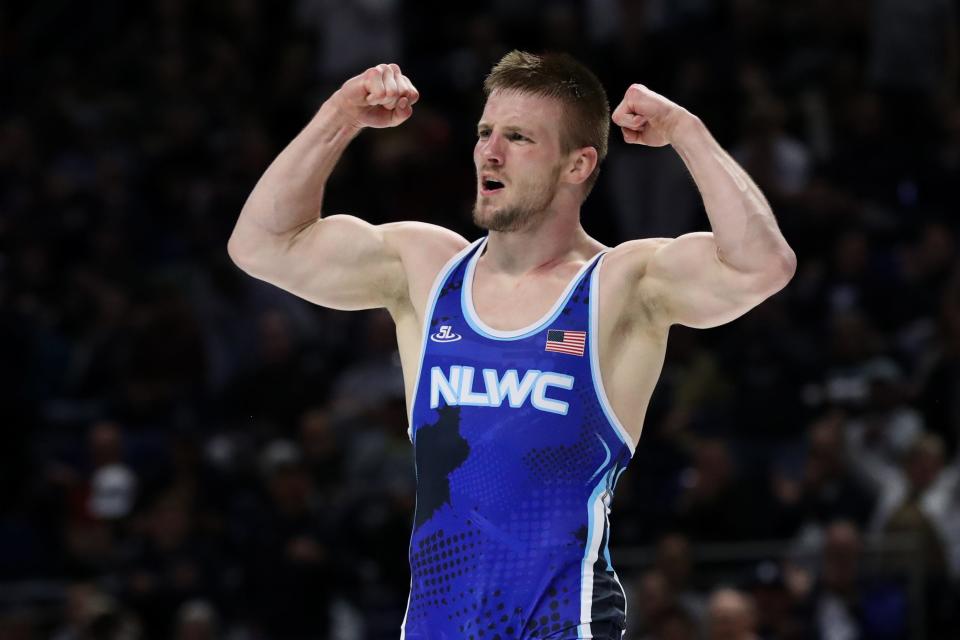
730, 616
529, 356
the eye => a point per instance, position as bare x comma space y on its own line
517, 137
483, 133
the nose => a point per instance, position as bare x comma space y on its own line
491, 150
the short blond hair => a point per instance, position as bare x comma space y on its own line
586, 111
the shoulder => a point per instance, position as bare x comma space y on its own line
626, 265
631, 258
411, 238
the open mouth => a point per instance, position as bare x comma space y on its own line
489, 185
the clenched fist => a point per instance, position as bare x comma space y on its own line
379, 97
646, 117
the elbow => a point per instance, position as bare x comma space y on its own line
782, 266
788, 263
236, 252
243, 252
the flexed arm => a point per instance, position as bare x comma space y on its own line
281, 237
704, 279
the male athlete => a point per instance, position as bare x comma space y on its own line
529, 355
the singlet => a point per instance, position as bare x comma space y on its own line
517, 453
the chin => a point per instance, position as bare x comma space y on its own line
484, 216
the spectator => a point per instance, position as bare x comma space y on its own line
196, 620
288, 559
828, 490
674, 623
649, 598
714, 506
676, 565
730, 616
849, 604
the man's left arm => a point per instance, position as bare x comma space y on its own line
703, 279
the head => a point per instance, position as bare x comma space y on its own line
317, 438
105, 440
771, 596
674, 623
826, 455
285, 477
541, 139
730, 615
841, 556
673, 559
651, 594
196, 620
924, 461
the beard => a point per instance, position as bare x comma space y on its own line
510, 218
514, 216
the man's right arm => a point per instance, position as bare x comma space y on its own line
281, 237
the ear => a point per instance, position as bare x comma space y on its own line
582, 163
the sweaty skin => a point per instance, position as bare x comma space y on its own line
646, 285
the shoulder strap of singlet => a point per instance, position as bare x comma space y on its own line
440, 286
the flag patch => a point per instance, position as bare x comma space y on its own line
572, 342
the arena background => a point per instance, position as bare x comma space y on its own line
190, 453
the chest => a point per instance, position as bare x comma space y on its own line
508, 304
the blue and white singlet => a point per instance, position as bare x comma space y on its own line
517, 454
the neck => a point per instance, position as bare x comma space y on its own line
553, 239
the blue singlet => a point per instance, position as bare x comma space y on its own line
517, 454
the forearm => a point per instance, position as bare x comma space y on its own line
289, 194
744, 228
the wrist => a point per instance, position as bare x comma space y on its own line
684, 127
337, 109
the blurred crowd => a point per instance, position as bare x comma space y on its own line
189, 453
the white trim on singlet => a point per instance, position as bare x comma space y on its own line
406, 612
592, 333
596, 520
478, 325
427, 317
598, 535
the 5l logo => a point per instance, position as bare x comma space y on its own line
445, 334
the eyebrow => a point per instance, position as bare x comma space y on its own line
507, 128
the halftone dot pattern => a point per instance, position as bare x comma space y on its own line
530, 523
592, 415
490, 617
438, 560
471, 598
575, 462
566, 463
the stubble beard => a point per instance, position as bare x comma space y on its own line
519, 215
512, 218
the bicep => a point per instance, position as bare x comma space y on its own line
350, 264
688, 283
343, 262
339, 261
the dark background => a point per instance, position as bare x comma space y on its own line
190, 453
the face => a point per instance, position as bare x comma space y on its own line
728, 617
518, 160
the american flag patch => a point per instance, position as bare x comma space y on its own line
571, 342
